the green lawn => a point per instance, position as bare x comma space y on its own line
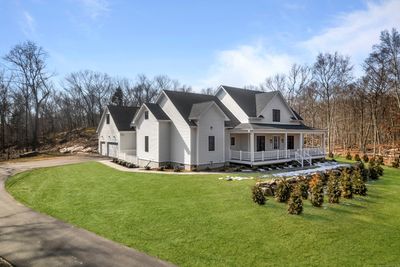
198, 220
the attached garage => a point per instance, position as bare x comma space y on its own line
112, 150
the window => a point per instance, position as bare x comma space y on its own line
290, 142
276, 115
277, 142
108, 118
146, 144
146, 115
232, 141
211, 143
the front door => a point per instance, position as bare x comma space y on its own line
260, 143
290, 142
277, 142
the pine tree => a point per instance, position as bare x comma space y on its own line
359, 186
348, 156
333, 188
357, 157
258, 195
372, 171
295, 202
282, 192
117, 98
303, 187
316, 191
379, 169
346, 184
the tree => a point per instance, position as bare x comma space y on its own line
295, 202
316, 191
117, 98
28, 63
333, 188
358, 183
298, 79
346, 184
5, 103
275, 83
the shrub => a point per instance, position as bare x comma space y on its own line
282, 192
295, 202
364, 172
177, 168
333, 188
330, 155
357, 157
147, 168
316, 191
161, 169
372, 170
348, 156
365, 158
303, 187
379, 160
359, 186
396, 162
258, 195
379, 169
346, 184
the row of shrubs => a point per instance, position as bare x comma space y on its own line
176, 168
344, 183
395, 163
124, 163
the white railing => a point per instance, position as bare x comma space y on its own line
296, 154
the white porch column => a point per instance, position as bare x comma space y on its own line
286, 144
301, 143
252, 146
323, 143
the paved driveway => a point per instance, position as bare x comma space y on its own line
29, 238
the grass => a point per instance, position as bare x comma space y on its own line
198, 220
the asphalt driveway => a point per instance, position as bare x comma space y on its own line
29, 238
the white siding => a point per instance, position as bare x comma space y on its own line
211, 123
108, 133
228, 101
180, 141
165, 140
276, 103
128, 140
148, 128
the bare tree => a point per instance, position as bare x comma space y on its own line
5, 88
275, 83
297, 80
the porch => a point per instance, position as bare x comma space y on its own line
262, 148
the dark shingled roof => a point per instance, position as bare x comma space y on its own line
184, 101
251, 101
156, 110
122, 116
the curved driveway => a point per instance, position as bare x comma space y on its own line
29, 238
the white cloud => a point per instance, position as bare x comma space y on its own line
245, 65
28, 24
355, 33
95, 8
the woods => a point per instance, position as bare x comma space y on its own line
360, 112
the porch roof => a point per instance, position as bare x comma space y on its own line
276, 127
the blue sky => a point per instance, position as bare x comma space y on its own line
201, 43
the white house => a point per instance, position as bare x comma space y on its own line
196, 130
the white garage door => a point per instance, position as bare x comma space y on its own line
103, 148
112, 150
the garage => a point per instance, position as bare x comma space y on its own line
112, 150
103, 150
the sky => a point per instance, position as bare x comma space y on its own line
200, 43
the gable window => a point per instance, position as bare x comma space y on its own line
146, 115
276, 115
290, 142
232, 141
211, 143
107, 118
146, 144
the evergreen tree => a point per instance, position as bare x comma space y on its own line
282, 192
346, 184
316, 191
333, 188
359, 186
365, 158
117, 98
372, 171
295, 202
303, 187
357, 157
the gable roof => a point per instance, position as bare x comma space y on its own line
262, 100
122, 116
297, 116
184, 102
157, 111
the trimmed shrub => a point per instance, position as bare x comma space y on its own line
334, 191
147, 168
396, 162
359, 186
346, 184
316, 191
357, 157
330, 155
282, 192
295, 202
161, 169
258, 195
303, 187
348, 156
364, 172
365, 158
177, 168
379, 160
372, 170
379, 169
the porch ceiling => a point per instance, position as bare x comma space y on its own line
268, 127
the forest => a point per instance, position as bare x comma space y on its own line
360, 113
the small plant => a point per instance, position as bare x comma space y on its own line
303, 187
348, 156
372, 170
396, 162
147, 168
365, 158
379, 169
346, 184
330, 155
333, 188
316, 191
295, 201
380, 161
359, 186
282, 192
177, 168
161, 169
258, 195
357, 157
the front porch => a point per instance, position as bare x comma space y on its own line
262, 148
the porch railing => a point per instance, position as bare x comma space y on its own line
241, 155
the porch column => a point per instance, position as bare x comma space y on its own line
252, 147
323, 143
301, 143
286, 144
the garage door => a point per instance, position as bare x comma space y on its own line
103, 148
112, 150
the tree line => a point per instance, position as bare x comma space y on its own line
356, 111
